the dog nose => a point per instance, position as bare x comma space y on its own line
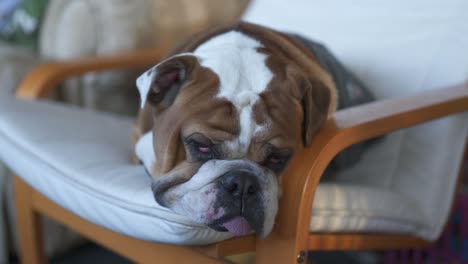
240, 183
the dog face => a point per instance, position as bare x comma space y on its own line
226, 119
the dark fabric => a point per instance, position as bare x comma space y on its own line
351, 92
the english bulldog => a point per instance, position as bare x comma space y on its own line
221, 117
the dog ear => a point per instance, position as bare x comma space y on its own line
160, 85
317, 105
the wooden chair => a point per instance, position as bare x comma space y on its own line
341, 26
291, 238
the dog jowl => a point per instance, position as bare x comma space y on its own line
220, 119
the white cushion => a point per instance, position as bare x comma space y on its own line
81, 160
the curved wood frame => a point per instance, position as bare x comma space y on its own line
291, 233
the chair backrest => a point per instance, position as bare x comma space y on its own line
397, 48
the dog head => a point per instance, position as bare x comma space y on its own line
227, 116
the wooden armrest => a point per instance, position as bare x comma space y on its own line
348, 127
45, 77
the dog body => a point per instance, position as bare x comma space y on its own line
221, 117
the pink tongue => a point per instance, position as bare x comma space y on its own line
238, 226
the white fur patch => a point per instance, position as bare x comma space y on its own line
143, 84
243, 75
233, 56
145, 151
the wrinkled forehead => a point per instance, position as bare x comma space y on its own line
243, 76
244, 81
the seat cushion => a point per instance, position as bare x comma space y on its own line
81, 160
340, 207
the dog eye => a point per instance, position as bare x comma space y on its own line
204, 149
276, 162
200, 151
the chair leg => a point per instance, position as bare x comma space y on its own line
28, 224
275, 249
